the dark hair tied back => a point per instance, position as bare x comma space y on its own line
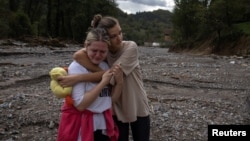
96, 20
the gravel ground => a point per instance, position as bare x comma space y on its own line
186, 92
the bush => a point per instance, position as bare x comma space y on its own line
245, 27
4, 28
20, 25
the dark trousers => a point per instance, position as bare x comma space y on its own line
98, 136
140, 129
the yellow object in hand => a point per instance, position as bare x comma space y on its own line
56, 88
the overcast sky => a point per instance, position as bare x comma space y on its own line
133, 6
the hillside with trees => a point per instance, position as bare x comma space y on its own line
146, 26
67, 19
211, 25
218, 26
70, 20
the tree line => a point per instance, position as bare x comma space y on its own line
70, 19
191, 21
67, 19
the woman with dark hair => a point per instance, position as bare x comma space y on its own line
131, 109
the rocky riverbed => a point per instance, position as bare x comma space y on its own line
186, 92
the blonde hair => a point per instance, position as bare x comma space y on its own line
97, 34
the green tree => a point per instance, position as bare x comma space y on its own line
79, 25
222, 15
20, 25
187, 21
4, 18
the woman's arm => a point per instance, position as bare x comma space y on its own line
90, 96
81, 57
70, 80
117, 88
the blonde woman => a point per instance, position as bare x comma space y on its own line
90, 117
